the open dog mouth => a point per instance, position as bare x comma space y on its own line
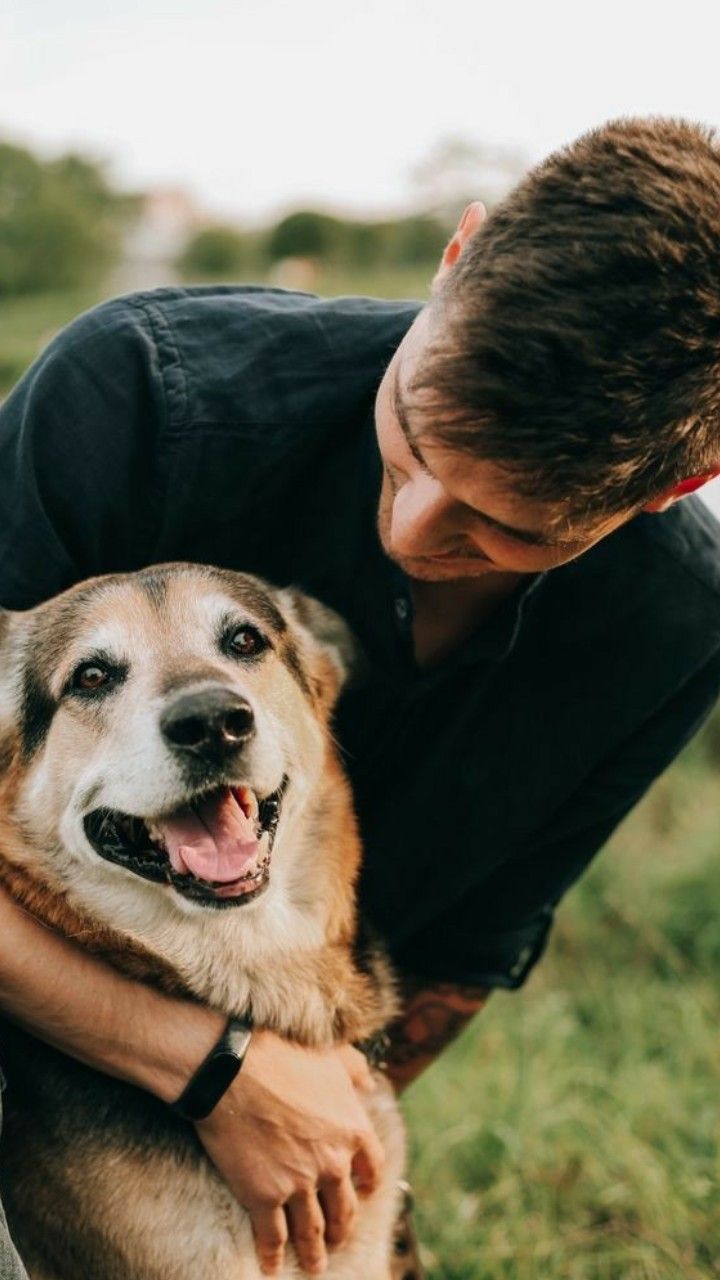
215, 850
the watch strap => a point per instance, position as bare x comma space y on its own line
216, 1072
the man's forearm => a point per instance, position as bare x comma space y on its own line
82, 1006
79, 1004
433, 1016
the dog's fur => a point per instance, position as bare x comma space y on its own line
100, 1179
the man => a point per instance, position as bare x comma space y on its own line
539, 614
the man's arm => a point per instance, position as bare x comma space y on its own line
433, 1015
290, 1136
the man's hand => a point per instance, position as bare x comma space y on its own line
290, 1134
295, 1145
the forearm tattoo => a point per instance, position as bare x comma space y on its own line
432, 1016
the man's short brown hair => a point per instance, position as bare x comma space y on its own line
577, 339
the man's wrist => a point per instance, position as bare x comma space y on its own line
81, 1005
174, 1045
216, 1072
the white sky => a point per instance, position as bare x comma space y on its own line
258, 105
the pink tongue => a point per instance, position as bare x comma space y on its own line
214, 841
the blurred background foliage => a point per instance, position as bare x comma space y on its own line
61, 223
572, 1132
68, 239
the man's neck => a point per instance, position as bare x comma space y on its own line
446, 613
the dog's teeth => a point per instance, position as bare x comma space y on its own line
248, 800
155, 834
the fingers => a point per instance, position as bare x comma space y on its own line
271, 1233
357, 1067
307, 1229
368, 1163
339, 1202
313, 1220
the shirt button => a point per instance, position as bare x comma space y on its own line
402, 609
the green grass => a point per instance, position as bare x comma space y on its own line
27, 324
572, 1132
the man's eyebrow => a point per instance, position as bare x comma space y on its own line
521, 535
401, 416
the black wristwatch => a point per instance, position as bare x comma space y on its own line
216, 1072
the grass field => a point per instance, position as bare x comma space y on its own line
573, 1132
27, 325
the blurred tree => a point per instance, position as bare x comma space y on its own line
365, 243
418, 240
88, 182
457, 171
361, 245
413, 241
217, 252
61, 223
305, 234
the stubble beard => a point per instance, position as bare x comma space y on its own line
416, 566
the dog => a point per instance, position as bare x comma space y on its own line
171, 797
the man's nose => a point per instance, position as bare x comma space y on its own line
211, 723
422, 518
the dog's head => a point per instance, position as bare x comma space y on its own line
166, 725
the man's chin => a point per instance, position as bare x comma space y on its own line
424, 569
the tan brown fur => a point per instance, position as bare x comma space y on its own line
53, 909
351, 995
81, 1200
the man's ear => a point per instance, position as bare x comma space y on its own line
680, 490
472, 219
332, 649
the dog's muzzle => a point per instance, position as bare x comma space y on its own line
215, 850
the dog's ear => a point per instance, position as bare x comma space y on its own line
334, 652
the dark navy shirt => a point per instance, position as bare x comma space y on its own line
235, 426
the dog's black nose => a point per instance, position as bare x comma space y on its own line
210, 722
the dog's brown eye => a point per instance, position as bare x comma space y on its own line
90, 677
245, 642
96, 677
